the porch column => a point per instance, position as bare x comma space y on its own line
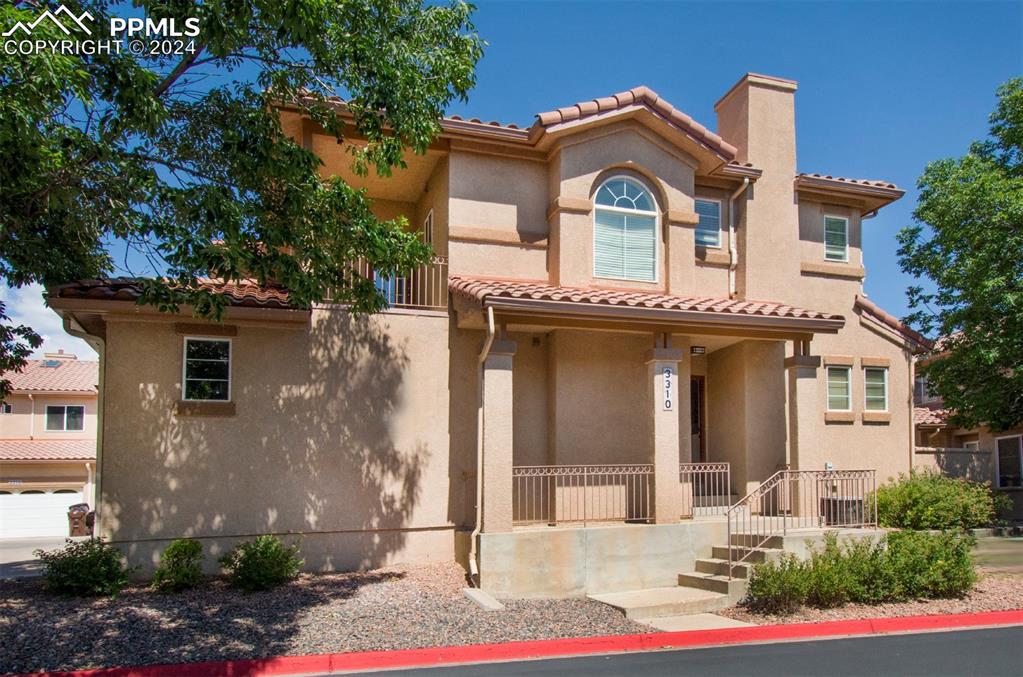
804, 405
669, 391
497, 437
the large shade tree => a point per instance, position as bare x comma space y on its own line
181, 160
968, 242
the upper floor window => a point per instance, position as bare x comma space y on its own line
625, 232
65, 418
6, 408
708, 230
1009, 462
875, 382
839, 395
836, 238
922, 393
207, 369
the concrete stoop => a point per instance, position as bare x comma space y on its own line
707, 589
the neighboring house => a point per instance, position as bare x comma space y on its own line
47, 445
977, 454
618, 293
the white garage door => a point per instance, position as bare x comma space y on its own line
34, 513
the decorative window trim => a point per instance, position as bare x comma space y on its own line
845, 253
63, 428
866, 397
998, 460
827, 387
655, 214
184, 366
720, 205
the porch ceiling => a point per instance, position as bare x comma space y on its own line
539, 303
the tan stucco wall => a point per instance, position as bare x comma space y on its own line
27, 475
341, 432
19, 425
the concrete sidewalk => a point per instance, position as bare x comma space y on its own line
17, 560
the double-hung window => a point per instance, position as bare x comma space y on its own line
6, 408
839, 389
708, 229
207, 369
625, 231
875, 382
65, 418
836, 238
1009, 462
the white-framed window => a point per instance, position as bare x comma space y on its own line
836, 238
973, 445
839, 389
428, 228
875, 388
65, 418
206, 369
625, 231
1009, 462
708, 230
6, 408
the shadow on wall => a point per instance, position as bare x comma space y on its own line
973, 467
310, 453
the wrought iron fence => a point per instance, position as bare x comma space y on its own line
555, 494
425, 287
706, 488
800, 499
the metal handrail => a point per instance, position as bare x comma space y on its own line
553, 494
707, 479
793, 499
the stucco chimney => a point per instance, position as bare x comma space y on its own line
757, 115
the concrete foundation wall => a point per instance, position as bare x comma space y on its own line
573, 562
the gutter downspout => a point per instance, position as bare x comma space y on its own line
474, 567
32, 418
99, 344
733, 254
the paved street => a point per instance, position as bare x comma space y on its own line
984, 653
16, 558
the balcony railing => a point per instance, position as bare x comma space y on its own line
706, 488
422, 288
556, 494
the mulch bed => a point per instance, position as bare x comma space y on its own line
995, 591
395, 608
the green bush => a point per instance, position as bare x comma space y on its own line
261, 564
180, 566
904, 565
929, 500
89, 567
778, 587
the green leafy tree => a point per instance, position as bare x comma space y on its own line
968, 241
182, 159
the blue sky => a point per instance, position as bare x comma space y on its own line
884, 88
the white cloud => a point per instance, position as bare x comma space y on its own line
25, 306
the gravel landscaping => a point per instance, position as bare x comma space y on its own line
396, 608
995, 591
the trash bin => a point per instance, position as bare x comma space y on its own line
76, 520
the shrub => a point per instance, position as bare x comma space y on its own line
777, 587
261, 564
929, 500
829, 578
89, 567
930, 565
872, 579
180, 566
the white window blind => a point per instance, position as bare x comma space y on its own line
838, 389
836, 239
708, 230
875, 388
625, 232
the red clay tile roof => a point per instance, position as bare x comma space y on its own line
247, 294
67, 376
931, 418
889, 320
869, 183
480, 289
643, 96
47, 450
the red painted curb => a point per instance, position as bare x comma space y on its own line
448, 655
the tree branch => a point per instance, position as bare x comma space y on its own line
182, 66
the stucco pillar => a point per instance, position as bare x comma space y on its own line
804, 406
497, 437
667, 396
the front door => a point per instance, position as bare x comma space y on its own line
698, 416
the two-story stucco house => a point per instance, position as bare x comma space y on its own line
631, 321
47, 445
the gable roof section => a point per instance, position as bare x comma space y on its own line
66, 376
925, 417
879, 315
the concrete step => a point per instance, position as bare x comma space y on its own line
734, 588
763, 541
754, 554
719, 567
659, 602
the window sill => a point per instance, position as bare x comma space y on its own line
212, 409
833, 269
839, 417
711, 256
877, 417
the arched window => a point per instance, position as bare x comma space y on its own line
625, 231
